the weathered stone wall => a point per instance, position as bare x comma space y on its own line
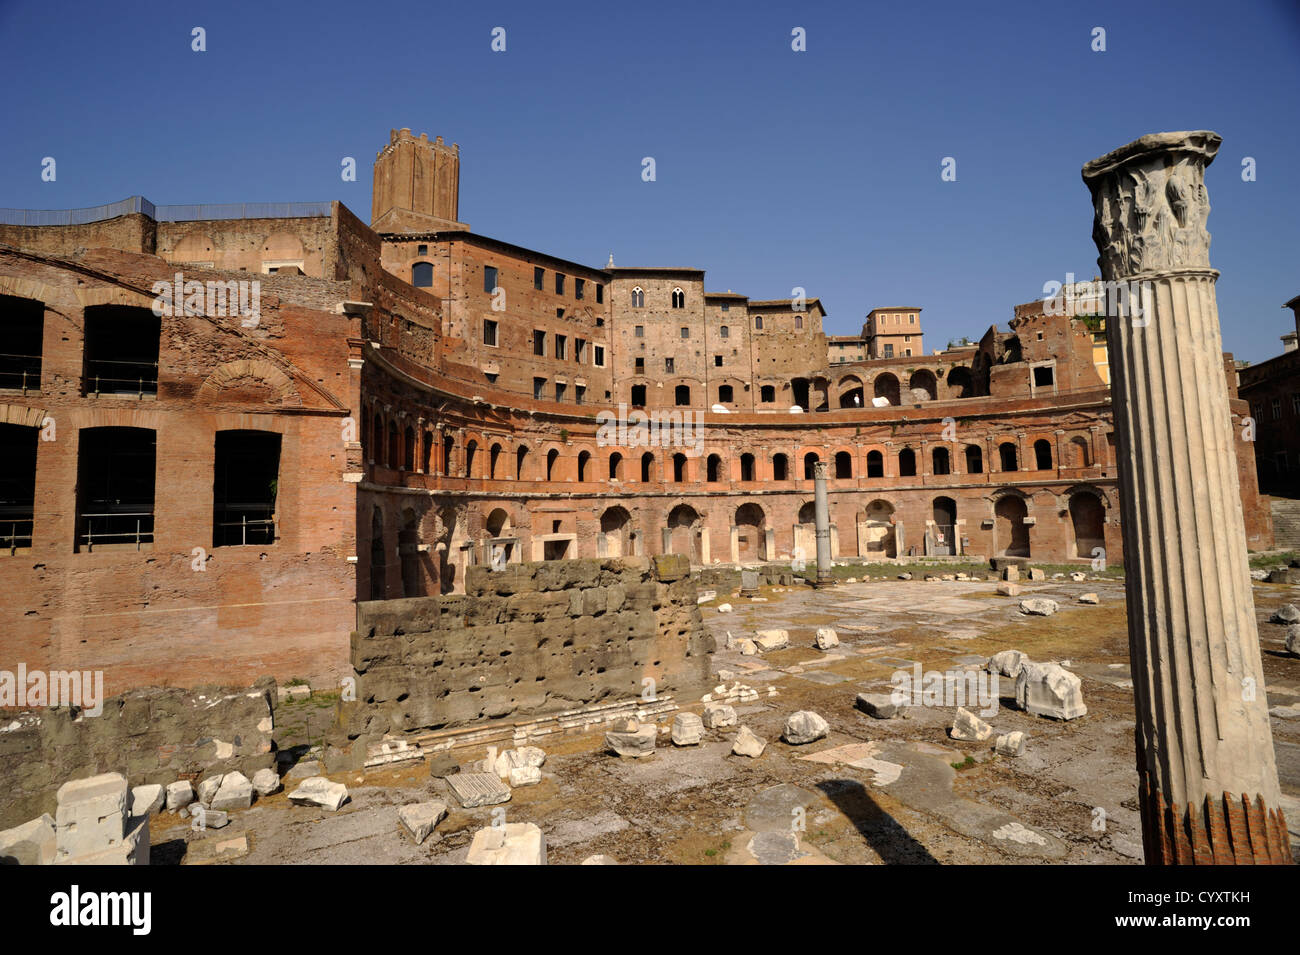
529, 639
151, 735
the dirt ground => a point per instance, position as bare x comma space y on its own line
873, 791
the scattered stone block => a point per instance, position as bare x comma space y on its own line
204, 818
803, 727
724, 608
515, 843
319, 791
1009, 590
688, 729
525, 757
1011, 744
1011, 573
880, 706
905, 576
1048, 689
718, 715
266, 782
32, 843
1006, 663
1039, 606
1287, 614
91, 815
147, 800
419, 819
1259, 575
478, 789
772, 639
705, 596
967, 726
747, 647
236, 792
634, 742
1284, 575
748, 744
1037, 574
524, 776
179, 795
1089, 599
208, 788
304, 770
1293, 640
826, 638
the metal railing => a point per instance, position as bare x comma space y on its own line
20, 372
116, 527
170, 213
236, 525
106, 377
16, 532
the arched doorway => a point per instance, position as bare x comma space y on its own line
683, 523
616, 527
922, 385
880, 540
1088, 518
944, 530
1010, 530
886, 387
750, 533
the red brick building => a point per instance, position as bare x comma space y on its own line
201, 495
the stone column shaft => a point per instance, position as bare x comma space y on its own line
1208, 778
822, 518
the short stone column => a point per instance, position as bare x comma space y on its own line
1208, 787
822, 522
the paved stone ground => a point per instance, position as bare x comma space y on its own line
895, 791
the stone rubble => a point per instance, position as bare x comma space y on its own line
826, 638
772, 639
32, 843
1293, 640
478, 789
748, 744
266, 782
717, 715
515, 843
147, 800
319, 791
236, 792
967, 726
803, 727
1006, 663
179, 795
632, 739
1011, 744
1286, 614
880, 706
688, 729
1039, 606
1089, 598
419, 819
1048, 689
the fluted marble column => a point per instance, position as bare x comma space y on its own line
1208, 778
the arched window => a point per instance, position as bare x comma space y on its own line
713, 468
1043, 454
939, 461
583, 458
683, 395
494, 453
679, 298
875, 464
616, 467
767, 393
974, 459
647, 467
521, 459
422, 274
679, 468
426, 451
1007, 452
747, 467
725, 394
724, 331
448, 442
551, 457
780, 467
377, 440
809, 460
638, 297
394, 458
470, 449
638, 396
843, 464
907, 463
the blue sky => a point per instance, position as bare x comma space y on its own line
775, 169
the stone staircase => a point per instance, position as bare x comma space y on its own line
1286, 524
